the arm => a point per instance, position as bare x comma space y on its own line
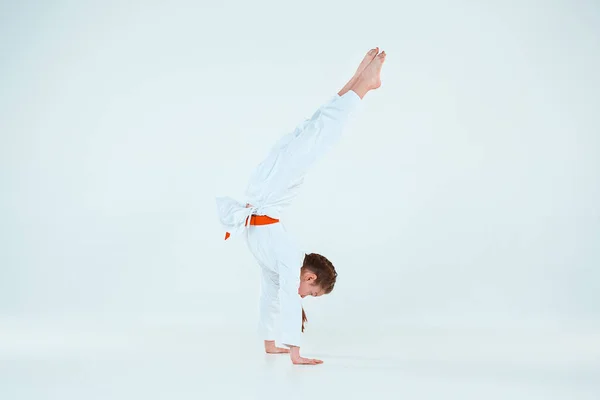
268, 310
291, 313
267, 304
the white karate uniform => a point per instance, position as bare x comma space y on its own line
273, 184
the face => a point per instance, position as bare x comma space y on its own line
308, 287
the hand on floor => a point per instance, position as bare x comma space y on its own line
296, 359
270, 348
309, 361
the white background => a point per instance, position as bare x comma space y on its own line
461, 209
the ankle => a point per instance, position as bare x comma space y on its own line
361, 88
348, 85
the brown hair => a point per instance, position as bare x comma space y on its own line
325, 272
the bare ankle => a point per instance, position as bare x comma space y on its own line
361, 88
348, 86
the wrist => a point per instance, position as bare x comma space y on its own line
269, 344
294, 352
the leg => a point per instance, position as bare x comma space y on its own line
298, 150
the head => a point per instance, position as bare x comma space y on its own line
317, 276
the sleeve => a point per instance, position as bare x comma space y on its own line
290, 303
268, 304
317, 135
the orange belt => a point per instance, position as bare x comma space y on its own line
257, 220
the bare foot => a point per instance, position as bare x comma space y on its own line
371, 75
363, 64
366, 61
370, 78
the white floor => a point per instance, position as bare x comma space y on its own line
143, 360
